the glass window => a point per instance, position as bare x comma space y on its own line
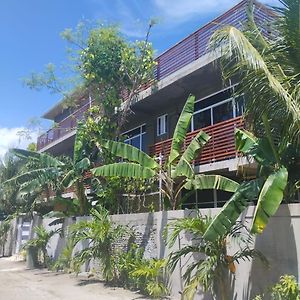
219, 97
222, 112
136, 137
202, 119
162, 125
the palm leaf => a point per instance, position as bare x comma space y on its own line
184, 167
268, 79
181, 129
269, 199
130, 153
230, 212
127, 170
211, 182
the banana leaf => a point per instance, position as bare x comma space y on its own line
129, 170
269, 199
131, 153
181, 129
207, 182
230, 212
82, 165
259, 149
184, 167
43, 158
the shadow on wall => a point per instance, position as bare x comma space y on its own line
278, 244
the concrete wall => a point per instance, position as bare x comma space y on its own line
280, 243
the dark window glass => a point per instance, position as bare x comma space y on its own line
223, 112
133, 132
213, 99
202, 119
136, 142
205, 198
222, 197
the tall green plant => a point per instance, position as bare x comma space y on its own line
100, 233
211, 268
269, 188
40, 242
176, 173
269, 72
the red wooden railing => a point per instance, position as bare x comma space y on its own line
183, 53
220, 147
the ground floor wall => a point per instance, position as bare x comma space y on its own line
280, 243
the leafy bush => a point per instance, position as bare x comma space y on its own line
101, 235
152, 277
65, 260
126, 264
40, 242
286, 289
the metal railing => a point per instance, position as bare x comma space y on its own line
180, 55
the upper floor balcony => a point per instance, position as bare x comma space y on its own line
185, 53
220, 147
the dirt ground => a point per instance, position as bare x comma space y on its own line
17, 283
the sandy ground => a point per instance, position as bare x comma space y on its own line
17, 283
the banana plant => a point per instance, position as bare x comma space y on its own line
45, 172
176, 173
269, 188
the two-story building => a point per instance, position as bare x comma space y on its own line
186, 68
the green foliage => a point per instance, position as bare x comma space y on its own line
270, 187
286, 289
268, 69
40, 242
152, 273
213, 264
101, 234
65, 260
5, 226
176, 174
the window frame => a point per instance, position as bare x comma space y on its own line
231, 99
140, 135
161, 118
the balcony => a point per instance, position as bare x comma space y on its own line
220, 147
65, 127
177, 57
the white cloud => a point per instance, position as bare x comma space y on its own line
18, 137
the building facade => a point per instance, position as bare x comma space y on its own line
186, 68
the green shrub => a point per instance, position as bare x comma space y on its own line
152, 276
65, 260
101, 234
40, 242
286, 289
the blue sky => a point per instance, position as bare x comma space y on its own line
30, 38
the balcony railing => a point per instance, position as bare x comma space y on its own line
63, 128
220, 147
180, 55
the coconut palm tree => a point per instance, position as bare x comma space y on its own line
176, 173
268, 66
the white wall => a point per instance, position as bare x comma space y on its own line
280, 243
